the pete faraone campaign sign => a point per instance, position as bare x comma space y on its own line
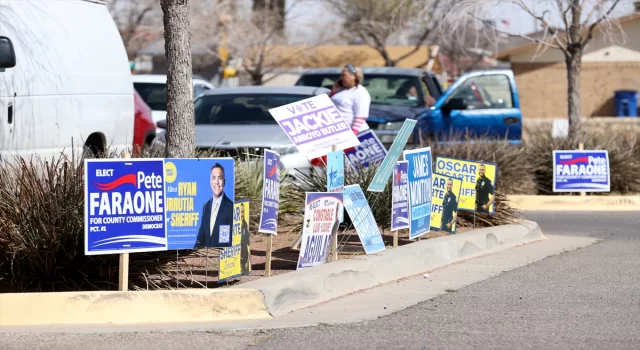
581, 171
138, 205
235, 261
321, 223
400, 197
370, 152
444, 207
270, 193
314, 125
478, 182
360, 213
420, 187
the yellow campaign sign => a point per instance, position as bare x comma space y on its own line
235, 261
444, 202
478, 182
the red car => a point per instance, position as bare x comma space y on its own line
144, 129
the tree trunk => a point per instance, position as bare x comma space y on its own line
574, 63
180, 119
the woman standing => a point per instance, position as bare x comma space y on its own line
352, 101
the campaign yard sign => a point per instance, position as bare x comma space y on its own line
381, 177
581, 171
235, 261
321, 222
335, 171
200, 196
444, 207
124, 208
270, 193
314, 125
370, 152
146, 204
360, 213
400, 197
420, 188
478, 182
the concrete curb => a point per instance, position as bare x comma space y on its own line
307, 287
139, 307
575, 203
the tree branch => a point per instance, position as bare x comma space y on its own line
589, 36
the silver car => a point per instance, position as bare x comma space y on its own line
235, 120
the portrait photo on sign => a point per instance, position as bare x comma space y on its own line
444, 207
235, 261
200, 195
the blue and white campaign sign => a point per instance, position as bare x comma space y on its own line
335, 175
124, 208
360, 213
381, 178
420, 190
335, 171
370, 152
581, 171
270, 193
200, 196
400, 197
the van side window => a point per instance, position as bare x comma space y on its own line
485, 92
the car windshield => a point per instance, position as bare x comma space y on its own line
385, 89
241, 108
153, 94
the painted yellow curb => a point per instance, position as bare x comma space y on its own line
575, 203
144, 307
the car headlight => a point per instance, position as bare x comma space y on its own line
284, 150
391, 126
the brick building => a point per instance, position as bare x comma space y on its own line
606, 67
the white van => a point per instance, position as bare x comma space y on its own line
64, 79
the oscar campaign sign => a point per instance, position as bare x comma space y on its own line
581, 171
370, 152
270, 193
478, 182
314, 126
400, 197
420, 187
124, 206
444, 208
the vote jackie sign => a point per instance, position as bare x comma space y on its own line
581, 171
314, 126
140, 205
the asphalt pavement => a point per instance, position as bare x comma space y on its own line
584, 299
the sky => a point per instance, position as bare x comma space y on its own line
313, 11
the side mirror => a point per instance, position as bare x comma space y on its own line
455, 104
7, 54
162, 124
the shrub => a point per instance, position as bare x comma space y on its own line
624, 158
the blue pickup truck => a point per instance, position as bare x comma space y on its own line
479, 104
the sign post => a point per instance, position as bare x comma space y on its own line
123, 267
581, 147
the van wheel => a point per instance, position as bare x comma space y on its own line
93, 147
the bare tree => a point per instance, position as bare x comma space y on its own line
180, 112
257, 40
375, 22
137, 21
464, 48
580, 18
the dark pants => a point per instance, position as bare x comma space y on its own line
443, 227
480, 210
